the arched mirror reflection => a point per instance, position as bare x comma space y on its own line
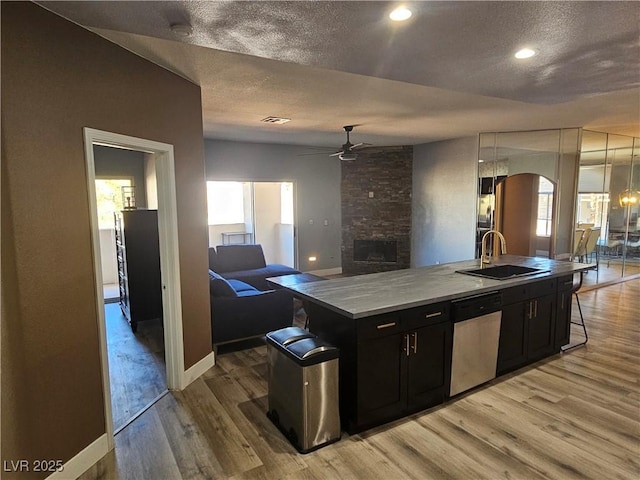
542, 165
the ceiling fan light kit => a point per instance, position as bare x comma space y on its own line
348, 156
347, 153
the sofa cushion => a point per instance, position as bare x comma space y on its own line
257, 277
230, 258
220, 287
213, 259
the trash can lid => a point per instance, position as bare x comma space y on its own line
288, 335
310, 351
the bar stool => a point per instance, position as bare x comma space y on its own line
574, 290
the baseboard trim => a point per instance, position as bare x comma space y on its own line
327, 271
198, 369
84, 460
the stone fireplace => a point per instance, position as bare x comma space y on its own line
376, 210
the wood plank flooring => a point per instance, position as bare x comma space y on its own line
574, 415
137, 370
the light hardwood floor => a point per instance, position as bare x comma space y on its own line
575, 415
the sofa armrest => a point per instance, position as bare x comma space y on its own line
250, 316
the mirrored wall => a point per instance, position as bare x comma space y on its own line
608, 206
527, 190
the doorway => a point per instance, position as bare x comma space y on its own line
254, 212
130, 275
525, 206
162, 154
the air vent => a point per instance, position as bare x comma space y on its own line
276, 120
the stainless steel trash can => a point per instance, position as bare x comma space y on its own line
303, 388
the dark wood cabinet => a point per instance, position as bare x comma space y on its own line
527, 328
429, 366
563, 312
512, 348
398, 363
390, 365
541, 327
380, 375
138, 256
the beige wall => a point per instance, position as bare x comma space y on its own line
56, 79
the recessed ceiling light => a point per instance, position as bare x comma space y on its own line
525, 53
399, 14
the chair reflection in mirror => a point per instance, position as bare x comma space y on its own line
580, 243
591, 245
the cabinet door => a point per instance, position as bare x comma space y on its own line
563, 320
512, 349
381, 384
428, 366
541, 327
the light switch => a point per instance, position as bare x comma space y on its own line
326, 222
311, 221
370, 194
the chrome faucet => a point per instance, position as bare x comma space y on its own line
485, 259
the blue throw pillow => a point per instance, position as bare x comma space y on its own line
219, 287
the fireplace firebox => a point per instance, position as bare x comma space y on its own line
378, 251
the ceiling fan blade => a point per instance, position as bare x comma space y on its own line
337, 153
361, 145
307, 154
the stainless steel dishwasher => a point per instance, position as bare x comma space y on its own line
476, 333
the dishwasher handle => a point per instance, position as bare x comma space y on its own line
476, 306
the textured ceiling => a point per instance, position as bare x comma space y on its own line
447, 72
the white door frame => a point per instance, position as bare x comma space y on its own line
169, 257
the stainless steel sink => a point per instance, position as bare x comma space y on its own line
503, 272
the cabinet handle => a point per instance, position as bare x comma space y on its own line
386, 325
431, 315
530, 310
406, 345
568, 284
413, 344
535, 309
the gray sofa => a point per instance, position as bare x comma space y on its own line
245, 263
240, 311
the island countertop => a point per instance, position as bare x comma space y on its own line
377, 293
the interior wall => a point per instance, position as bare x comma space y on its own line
150, 181
445, 193
317, 178
267, 218
117, 163
56, 79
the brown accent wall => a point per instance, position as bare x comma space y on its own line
387, 173
56, 79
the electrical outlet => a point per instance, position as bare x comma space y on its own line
370, 194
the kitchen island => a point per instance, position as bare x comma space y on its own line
397, 331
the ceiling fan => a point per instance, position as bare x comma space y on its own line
347, 153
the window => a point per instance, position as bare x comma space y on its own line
225, 201
109, 199
545, 208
